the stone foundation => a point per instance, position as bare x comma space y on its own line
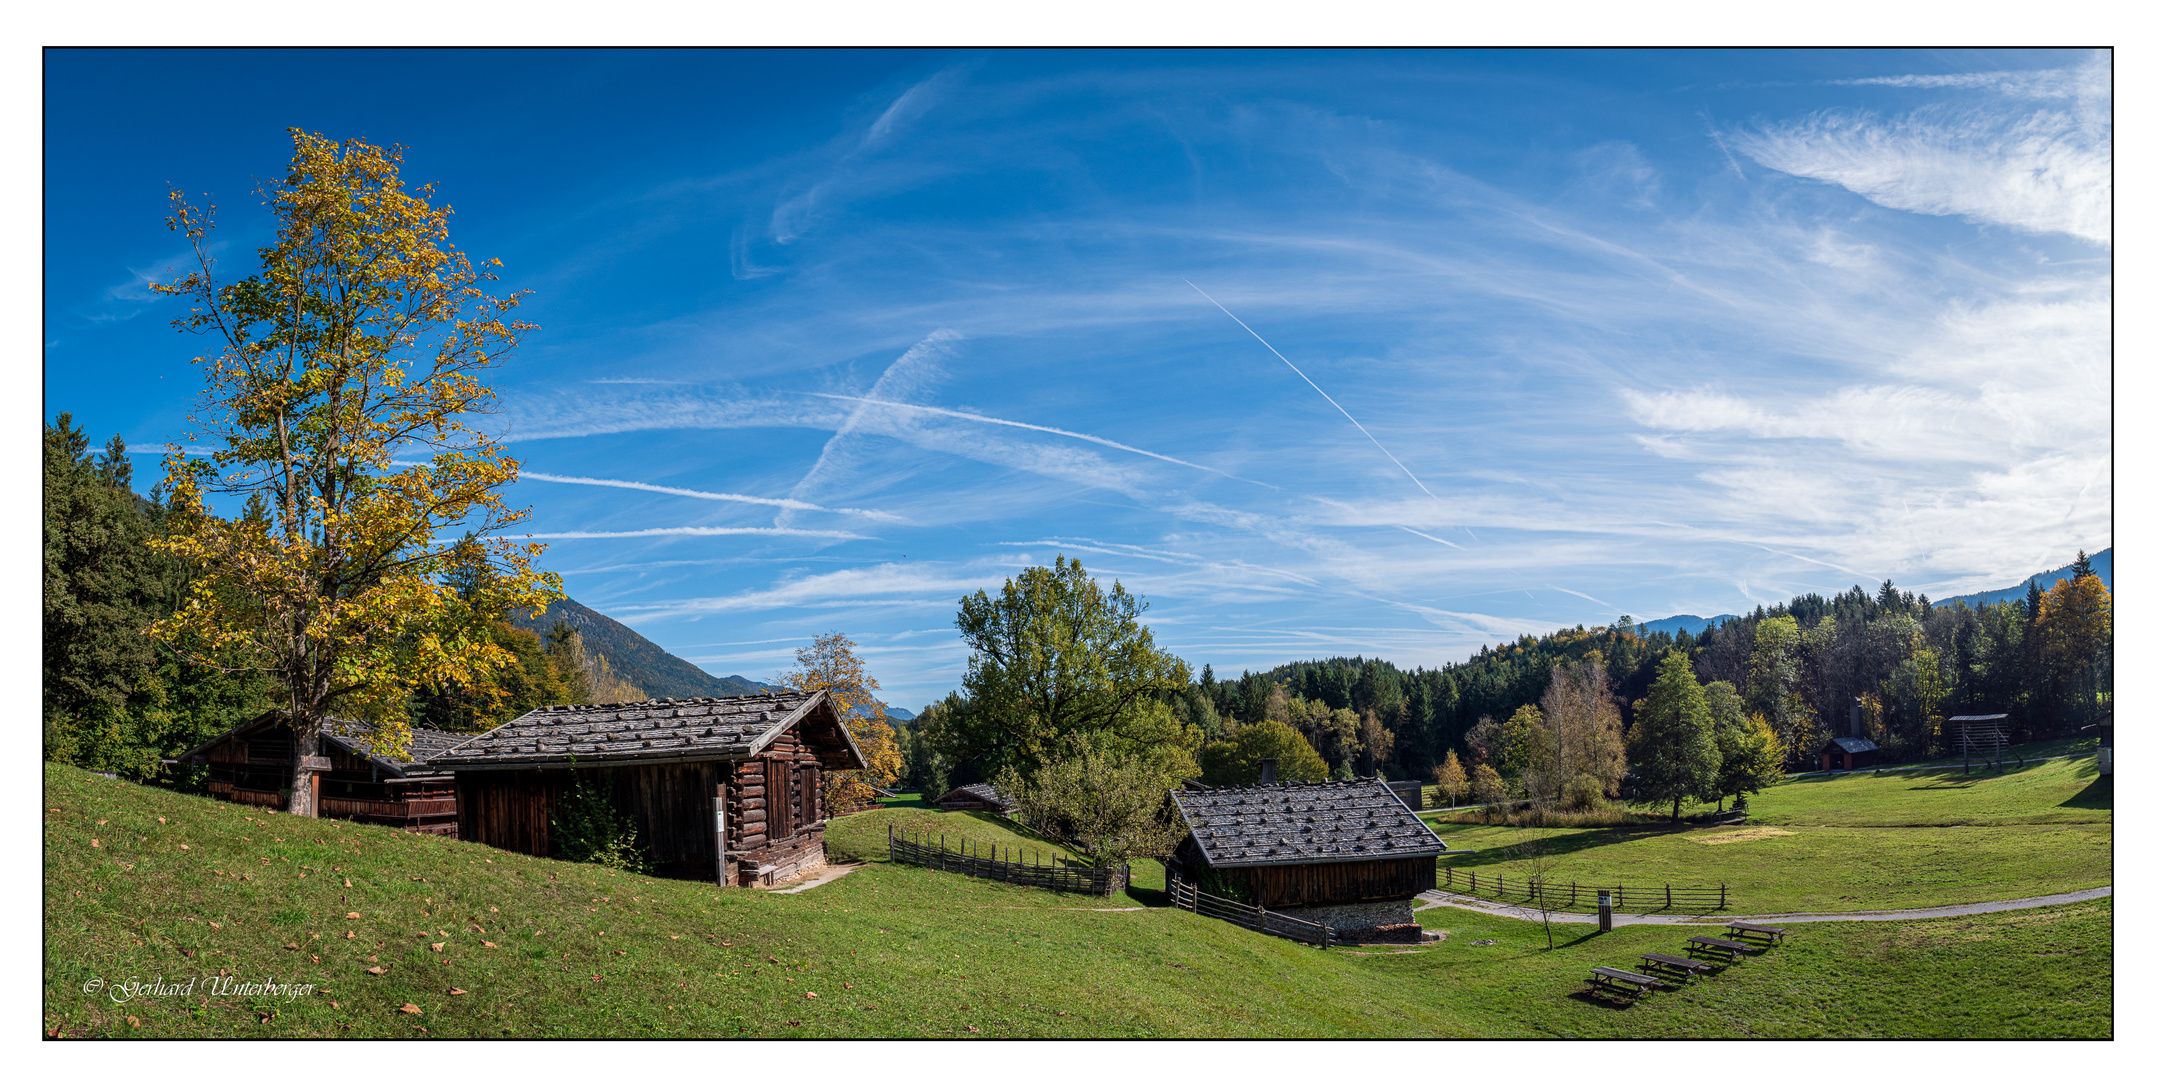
1355, 917
1399, 934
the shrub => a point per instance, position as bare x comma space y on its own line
589, 828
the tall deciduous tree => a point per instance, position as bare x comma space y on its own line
1450, 779
1674, 740
1236, 760
829, 663
1058, 663
360, 341
1749, 757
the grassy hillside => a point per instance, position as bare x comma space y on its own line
543, 948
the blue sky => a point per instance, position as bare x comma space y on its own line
1535, 338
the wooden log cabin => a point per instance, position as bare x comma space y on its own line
722, 789
253, 764
1348, 853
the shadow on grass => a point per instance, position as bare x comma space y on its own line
1564, 844
1604, 1001
2098, 795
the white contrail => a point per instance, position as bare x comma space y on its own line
1584, 595
1316, 389
721, 496
981, 419
697, 530
1430, 536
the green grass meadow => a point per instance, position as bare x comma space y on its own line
550, 949
1849, 842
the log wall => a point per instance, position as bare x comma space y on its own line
1336, 883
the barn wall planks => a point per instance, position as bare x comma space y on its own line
1340, 882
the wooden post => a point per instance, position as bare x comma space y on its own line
1668, 894
1721, 896
719, 837
1604, 910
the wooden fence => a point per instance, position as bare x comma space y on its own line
1004, 863
1559, 895
1185, 894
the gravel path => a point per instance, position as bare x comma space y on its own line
1433, 898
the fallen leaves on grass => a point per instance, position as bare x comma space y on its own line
455, 992
378, 970
409, 1009
489, 944
810, 994
352, 914
437, 946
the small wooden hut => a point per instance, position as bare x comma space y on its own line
1348, 853
1847, 753
724, 789
975, 797
253, 763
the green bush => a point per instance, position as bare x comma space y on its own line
589, 828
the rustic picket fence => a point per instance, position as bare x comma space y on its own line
1001, 862
1559, 895
1187, 895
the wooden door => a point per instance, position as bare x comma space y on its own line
779, 792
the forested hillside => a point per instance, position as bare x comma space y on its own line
2047, 660
635, 660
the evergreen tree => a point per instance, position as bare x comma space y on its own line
1674, 740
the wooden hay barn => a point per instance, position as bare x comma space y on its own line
723, 789
975, 797
253, 763
1848, 753
1348, 853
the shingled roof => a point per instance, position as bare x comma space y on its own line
1853, 746
426, 743
1289, 824
351, 736
982, 792
679, 729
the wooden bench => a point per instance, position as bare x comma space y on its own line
1622, 982
1747, 931
1719, 947
1658, 963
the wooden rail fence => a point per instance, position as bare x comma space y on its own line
1004, 863
1559, 895
1185, 894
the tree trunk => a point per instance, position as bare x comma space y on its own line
1676, 811
307, 743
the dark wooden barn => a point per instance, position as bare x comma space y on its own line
1847, 753
253, 763
723, 789
1349, 853
975, 797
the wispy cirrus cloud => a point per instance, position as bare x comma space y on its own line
696, 530
716, 496
2039, 169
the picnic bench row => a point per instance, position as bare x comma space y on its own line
1741, 939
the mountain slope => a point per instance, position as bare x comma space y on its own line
659, 673
1693, 624
2103, 564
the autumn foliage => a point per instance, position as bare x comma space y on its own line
829, 663
336, 407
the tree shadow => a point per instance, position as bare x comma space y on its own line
1603, 1000
2098, 795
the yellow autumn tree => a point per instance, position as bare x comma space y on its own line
829, 663
345, 368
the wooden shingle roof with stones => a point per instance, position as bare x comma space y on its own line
679, 729
983, 792
1290, 824
426, 743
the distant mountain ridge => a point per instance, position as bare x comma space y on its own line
634, 659
1673, 624
2103, 565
